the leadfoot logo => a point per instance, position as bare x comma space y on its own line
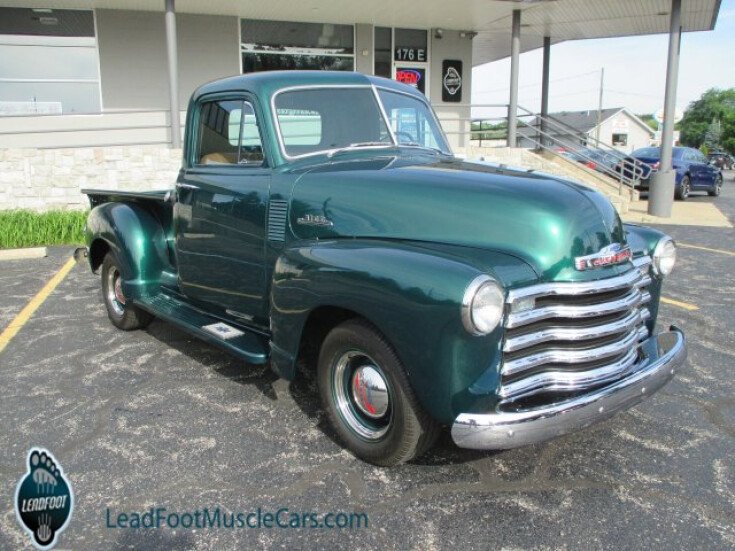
43, 499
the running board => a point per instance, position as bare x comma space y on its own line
238, 340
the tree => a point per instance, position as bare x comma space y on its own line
649, 120
713, 135
716, 108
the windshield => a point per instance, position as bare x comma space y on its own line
412, 122
319, 120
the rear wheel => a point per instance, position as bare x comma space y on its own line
122, 313
367, 396
684, 189
717, 187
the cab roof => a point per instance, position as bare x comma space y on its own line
266, 83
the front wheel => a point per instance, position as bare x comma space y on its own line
715, 191
367, 396
684, 189
122, 313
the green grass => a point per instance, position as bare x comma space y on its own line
26, 228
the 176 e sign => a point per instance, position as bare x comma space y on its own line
410, 54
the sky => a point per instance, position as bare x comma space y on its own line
635, 71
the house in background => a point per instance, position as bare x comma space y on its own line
618, 127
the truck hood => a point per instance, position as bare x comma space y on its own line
540, 219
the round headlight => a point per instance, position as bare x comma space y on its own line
482, 305
664, 257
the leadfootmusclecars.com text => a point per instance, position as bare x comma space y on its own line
218, 517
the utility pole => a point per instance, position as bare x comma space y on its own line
599, 108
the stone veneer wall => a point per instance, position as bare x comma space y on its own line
44, 179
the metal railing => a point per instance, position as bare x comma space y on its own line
546, 133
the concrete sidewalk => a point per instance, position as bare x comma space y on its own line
697, 211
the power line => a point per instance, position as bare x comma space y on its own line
569, 77
633, 93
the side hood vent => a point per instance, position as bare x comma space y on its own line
277, 212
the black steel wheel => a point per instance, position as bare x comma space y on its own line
366, 393
122, 313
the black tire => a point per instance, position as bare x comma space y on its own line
715, 191
405, 430
685, 188
123, 314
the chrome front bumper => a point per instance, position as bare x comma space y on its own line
499, 430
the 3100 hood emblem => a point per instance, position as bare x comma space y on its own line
612, 254
314, 220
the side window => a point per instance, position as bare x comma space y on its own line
228, 134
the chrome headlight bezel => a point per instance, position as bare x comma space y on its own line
483, 286
663, 258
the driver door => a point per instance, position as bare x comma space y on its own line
221, 210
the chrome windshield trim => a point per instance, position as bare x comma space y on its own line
630, 300
630, 340
277, 124
575, 288
513, 344
385, 115
568, 381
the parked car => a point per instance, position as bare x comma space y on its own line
320, 218
693, 171
596, 159
721, 160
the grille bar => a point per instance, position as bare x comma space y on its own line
559, 333
572, 336
567, 381
628, 341
631, 300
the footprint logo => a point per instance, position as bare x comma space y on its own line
43, 499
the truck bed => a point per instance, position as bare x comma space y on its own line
100, 196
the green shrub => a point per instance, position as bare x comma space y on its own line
26, 228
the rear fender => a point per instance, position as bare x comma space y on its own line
136, 239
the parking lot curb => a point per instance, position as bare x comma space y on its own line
22, 254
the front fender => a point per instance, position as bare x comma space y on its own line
411, 292
137, 240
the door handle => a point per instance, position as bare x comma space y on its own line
186, 186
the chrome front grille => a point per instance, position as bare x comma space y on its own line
569, 337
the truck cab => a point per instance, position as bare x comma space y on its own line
320, 218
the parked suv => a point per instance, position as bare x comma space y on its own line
693, 170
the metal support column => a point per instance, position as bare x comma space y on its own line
545, 89
661, 195
515, 52
173, 74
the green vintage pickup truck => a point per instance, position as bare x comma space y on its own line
321, 220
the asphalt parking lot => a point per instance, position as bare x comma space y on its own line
157, 418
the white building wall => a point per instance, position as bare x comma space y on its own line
622, 123
451, 46
133, 63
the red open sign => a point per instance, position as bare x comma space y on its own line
408, 76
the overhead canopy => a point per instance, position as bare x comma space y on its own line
560, 19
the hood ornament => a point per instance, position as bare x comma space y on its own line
607, 256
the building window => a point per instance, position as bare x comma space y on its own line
278, 45
383, 52
411, 46
620, 139
48, 62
